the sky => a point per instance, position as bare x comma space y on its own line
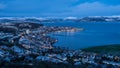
59, 8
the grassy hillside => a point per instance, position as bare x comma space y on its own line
109, 49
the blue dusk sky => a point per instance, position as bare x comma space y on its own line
59, 8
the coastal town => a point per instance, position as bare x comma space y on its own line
29, 44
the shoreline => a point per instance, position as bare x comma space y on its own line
34, 46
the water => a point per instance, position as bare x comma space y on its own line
94, 34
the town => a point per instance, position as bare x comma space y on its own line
28, 44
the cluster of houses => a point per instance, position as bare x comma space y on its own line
32, 46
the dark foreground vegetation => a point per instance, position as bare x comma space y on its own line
108, 49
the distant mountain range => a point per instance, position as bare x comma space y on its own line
75, 19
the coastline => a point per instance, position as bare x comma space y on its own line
30, 47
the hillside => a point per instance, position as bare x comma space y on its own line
109, 49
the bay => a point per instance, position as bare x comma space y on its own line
94, 34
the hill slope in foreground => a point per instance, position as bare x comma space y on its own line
108, 49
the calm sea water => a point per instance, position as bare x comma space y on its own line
94, 34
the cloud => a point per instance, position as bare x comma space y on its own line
5, 1
95, 8
59, 7
89, 9
2, 6
107, 2
38, 6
